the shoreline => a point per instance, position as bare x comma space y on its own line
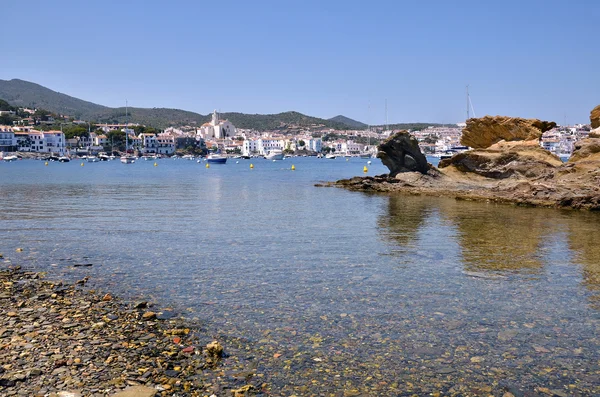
518, 192
63, 337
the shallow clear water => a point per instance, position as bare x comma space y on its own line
350, 291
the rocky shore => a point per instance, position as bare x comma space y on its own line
506, 165
64, 340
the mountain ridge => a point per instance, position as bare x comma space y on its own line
19, 92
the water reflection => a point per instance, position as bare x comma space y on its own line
496, 238
493, 240
583, 242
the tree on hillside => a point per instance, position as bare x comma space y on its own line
72, 131
5, 105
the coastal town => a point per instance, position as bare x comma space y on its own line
220, 135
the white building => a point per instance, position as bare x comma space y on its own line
8, 142
250, 147
218, 129
148, 141
165, 144
41, 142
55, 142
314, 144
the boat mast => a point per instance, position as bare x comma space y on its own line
468, 100
126, 133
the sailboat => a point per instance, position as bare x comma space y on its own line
126, 158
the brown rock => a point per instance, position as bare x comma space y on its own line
401, 153
595, 117
483, 132
107, 298
242, 391
149, 316
506, 159
137, 391
214, 349
587, 149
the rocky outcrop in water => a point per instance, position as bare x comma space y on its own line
401, 153
483, 132
517, 171
595, 117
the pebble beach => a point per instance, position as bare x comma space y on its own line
65, 340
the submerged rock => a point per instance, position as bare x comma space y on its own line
401, 153
483, 132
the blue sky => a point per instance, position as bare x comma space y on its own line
322, 58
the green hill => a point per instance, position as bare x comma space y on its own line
23, 93
349, 122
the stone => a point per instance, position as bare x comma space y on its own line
242, 391
107, 298
136, 391
214, 349
401, 153
481, 133
140, 305
149, 316
595, 117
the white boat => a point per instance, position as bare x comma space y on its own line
330, 156
10, 158
274, 155
92, 159
127, 159
64, 159
216, 158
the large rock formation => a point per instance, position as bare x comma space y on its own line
517, 171
505, 160
483, 132
595, 117
586, 149
401, 153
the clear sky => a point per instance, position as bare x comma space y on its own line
323, 58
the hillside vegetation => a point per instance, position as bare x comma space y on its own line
23, 93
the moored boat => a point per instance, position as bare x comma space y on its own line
216, 158
274, 155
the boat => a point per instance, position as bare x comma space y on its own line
216, 158
64, 159
330, 156
92, 159
126, 158
365, 155
10, 158
274, 155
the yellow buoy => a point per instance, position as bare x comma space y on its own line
207, 165
156, 165
251, 165
82, 164
293, 167
365, 169
46, 163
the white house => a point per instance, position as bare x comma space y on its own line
8, 142
149, 144
250, 147
55, 142
219, 129
165, 144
